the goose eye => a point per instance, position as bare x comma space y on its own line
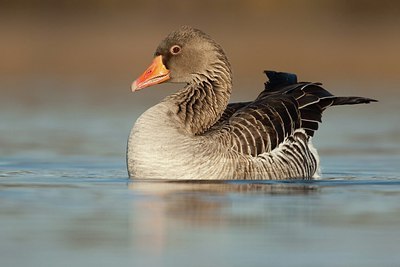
176, 49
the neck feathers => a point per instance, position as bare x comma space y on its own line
201, 103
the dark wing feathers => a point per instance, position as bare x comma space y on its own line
230, 109
352, 100
307, 100
309, 114
284, 106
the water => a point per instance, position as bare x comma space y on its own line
65, 200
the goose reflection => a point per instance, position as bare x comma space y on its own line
207, 202
165, 188
162, 211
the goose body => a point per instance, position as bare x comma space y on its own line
195, 134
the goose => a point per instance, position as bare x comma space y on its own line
194, 134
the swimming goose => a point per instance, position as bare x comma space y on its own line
194, 134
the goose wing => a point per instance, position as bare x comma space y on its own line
230, 110
283, 107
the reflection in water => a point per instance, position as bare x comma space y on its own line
170, 208
223, 188
91, 218
255, 224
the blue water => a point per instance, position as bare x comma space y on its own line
65, 200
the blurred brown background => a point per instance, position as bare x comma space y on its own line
66, 66
99, 46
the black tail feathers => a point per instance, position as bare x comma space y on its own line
279, 79
352, 100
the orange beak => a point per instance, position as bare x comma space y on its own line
155, 74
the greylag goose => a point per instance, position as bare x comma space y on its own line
194, 134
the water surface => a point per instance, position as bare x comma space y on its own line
65, 200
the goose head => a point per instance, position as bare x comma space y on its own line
184, 56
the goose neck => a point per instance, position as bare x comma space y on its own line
201, 102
